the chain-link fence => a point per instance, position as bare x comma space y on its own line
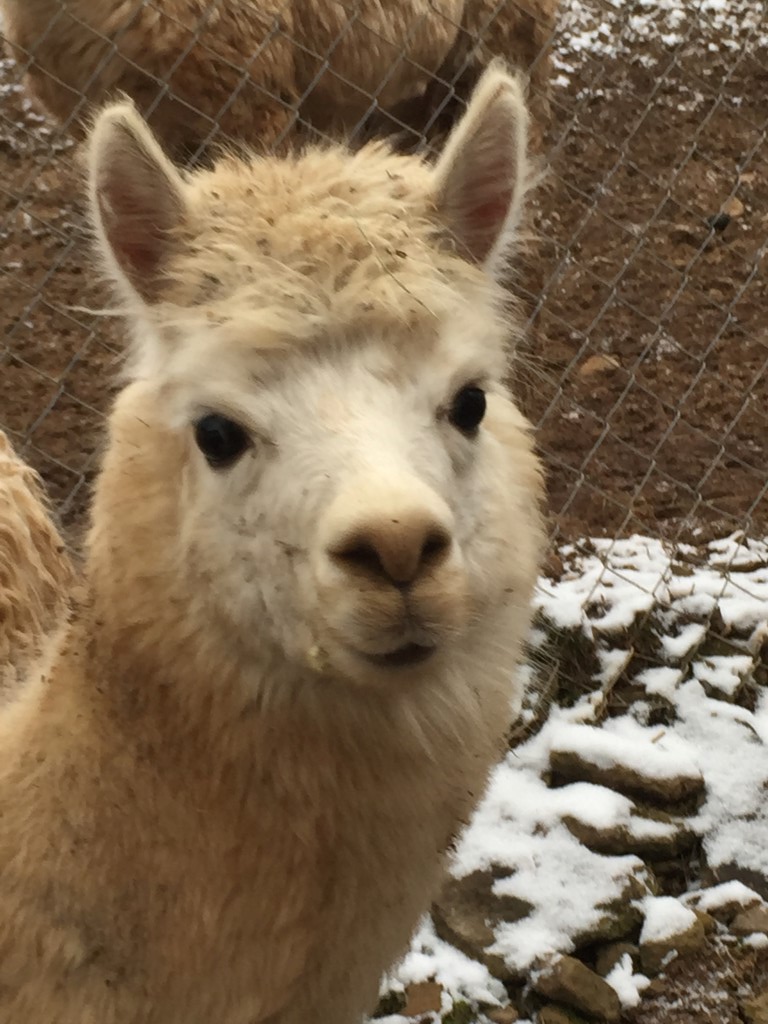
646, 371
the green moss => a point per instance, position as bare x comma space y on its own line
462, 1013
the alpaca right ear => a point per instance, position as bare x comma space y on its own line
136, 196
482, 175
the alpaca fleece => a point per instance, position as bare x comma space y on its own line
243, 68
35, 569
220, 800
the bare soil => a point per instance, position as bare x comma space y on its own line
650, 364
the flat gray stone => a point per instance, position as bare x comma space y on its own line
754, 919
574, 766
571, 982
503, 1015
618, 840
466, 913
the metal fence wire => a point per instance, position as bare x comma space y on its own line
646, 366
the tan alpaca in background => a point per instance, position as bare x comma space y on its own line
228, 792
35, 570
243, 66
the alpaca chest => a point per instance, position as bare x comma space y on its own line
296, 908
385, 862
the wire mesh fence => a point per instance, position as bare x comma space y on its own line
646, 368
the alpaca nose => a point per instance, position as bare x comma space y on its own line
397, 548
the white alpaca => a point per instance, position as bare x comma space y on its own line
228, 793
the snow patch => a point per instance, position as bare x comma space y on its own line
727, 893
615, 30
652, 753
627, 985
429, 958
665, 917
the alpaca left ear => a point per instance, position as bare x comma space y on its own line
481, 177
137, 199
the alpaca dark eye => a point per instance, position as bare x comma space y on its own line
467, 409
222, 441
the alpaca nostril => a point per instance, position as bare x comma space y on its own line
435, 546
395, 550
361, 556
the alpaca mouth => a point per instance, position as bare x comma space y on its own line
402, 657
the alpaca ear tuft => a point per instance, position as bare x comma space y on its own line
482, 174
137, 199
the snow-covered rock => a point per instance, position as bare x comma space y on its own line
670, 928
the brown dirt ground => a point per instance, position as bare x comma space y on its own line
651, 375
648, 369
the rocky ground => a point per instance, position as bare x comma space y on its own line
618, 867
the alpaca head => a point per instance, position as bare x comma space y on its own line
316, 454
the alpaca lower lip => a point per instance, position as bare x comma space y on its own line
402, 657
